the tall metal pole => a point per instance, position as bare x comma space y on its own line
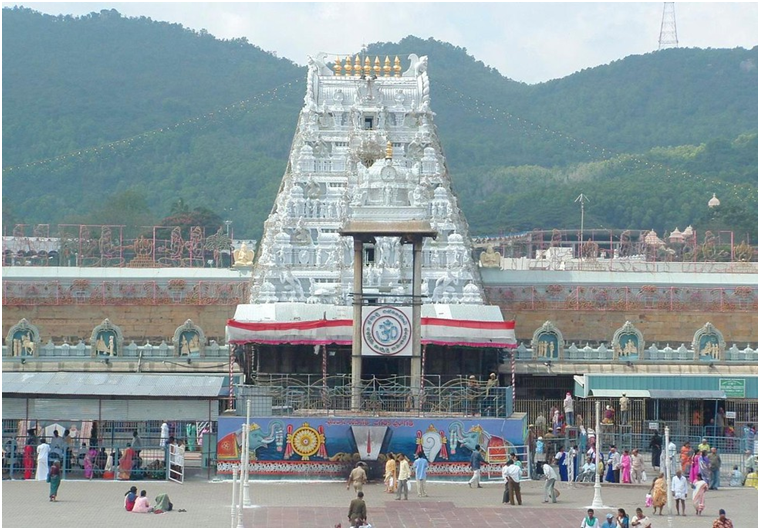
356, 339
581, 199
247, 465
233, 511
597, 502
239, 500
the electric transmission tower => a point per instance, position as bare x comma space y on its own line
668, 35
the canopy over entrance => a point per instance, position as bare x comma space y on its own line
296, 323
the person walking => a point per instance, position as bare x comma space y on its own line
513, 478
655, 445
390, 474
43, 453
54, 478
698, 494
475, 460
561, 459
659, 493
404, 472
625, 468
714, 459
357, 477
637, 467
136, 443
357, 510
551, 480
420, 466
680, 487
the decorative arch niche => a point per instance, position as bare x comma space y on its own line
23, 339
189, 340
547, 342
708, 344
628, 343
106, 340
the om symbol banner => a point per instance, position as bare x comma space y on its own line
387, 331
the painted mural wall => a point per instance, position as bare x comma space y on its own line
310, 447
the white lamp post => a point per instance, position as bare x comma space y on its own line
668, 464
246, 466
233, 512
597, 502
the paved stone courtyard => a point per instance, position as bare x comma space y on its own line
324, 504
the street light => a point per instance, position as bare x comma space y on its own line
227, 223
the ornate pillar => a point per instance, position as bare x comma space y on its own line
356, 340
416, 362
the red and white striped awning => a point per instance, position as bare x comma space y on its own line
490, 332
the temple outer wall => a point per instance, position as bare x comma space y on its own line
137, 322
657, 326
156, 323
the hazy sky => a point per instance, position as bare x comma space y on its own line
529, 42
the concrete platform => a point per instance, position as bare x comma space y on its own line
88, 504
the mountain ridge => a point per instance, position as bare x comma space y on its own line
191, 101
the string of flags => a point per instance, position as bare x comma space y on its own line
248, 105
490, 112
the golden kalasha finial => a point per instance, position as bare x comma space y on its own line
397, 66
377, 69
357, 66
337, 68
347, 68
387, 67
367, 66
388, 151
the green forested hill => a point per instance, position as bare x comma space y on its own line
102, 110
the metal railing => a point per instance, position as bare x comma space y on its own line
290, 396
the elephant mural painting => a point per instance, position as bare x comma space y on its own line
490, 445
230, 446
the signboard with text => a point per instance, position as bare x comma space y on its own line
734, 388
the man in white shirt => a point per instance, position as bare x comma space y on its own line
551, 479
680, 488
569, 409
513, 481
164, 433
505, 476
672, 457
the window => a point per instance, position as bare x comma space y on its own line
368, 120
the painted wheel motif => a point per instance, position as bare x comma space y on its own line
306, 441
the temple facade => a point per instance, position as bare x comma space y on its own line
366, 154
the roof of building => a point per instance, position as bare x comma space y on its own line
110, 384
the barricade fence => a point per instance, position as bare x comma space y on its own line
288, 397
104, 452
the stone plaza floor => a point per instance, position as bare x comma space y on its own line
280, 504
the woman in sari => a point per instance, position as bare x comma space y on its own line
390, 474
704, 467
625, 468
89, 462
694, 469
698, 494
54, 478
125, 463
28, 461
659, 493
